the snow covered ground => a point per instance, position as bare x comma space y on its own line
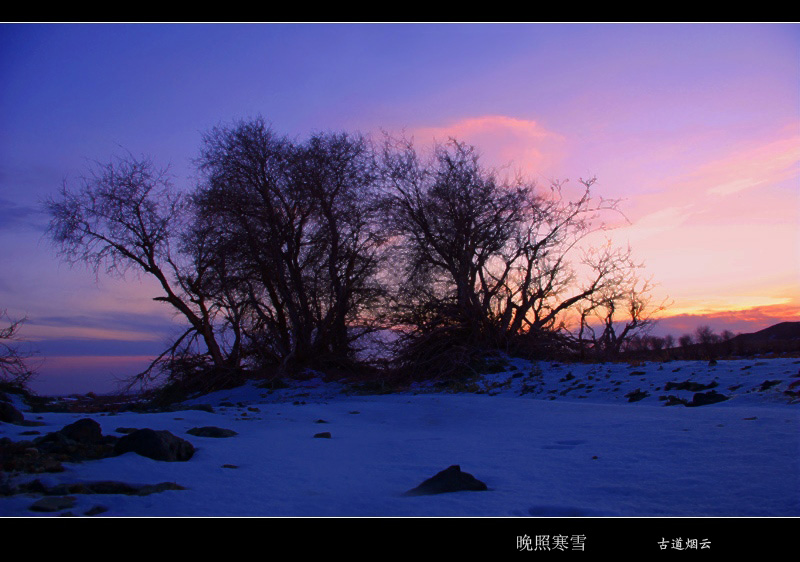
549, 440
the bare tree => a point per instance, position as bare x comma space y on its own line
15, 364
126, 215
707, 340
488, 261
621, 311
456, 218
298, 223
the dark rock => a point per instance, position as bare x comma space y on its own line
96, 510
157, 445
449, 480
109, 487
53, 503
202, 407
77, 442
33, 487
21, 456
323, 435
689, 385
673, 400
211, 431
768, 384
125, 430
99, 487
229, 466
157, 488
29, 423
85, 430
704, 398
67, 489
636, 395
56, 443
320, 421
10, 414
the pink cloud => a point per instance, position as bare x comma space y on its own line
525, 145
725, 229
756, 166
759, 172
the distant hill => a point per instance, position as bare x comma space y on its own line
781, 339
779, 332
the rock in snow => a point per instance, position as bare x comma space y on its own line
84, 430
449, 480
10, 414
158, 445
211, 431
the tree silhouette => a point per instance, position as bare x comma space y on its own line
15, 366
126, 216
298, 224
488, 262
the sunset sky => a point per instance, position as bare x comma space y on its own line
695, 126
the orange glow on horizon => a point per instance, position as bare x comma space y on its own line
748, 307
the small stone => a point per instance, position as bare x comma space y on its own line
323, 435
211, 431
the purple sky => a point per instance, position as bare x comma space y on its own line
696, 126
